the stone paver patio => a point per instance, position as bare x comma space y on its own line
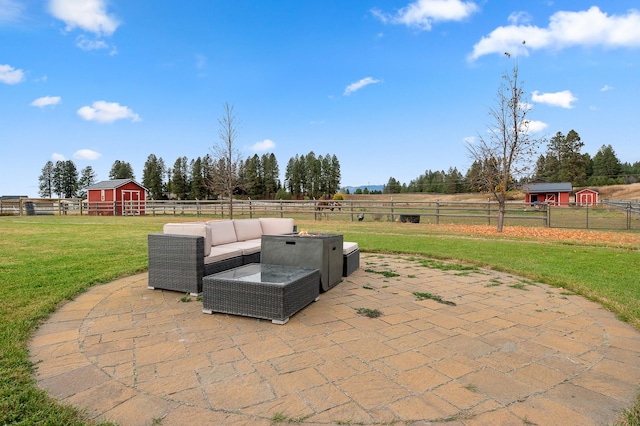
508, 352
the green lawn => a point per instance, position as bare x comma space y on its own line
46, 260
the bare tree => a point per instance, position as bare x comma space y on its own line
227, 155
508, 149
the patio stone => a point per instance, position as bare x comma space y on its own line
501, 355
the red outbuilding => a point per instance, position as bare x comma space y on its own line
118, 197
553, 194
586, 197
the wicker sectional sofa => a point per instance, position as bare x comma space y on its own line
185, 252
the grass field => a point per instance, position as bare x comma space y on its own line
47, 260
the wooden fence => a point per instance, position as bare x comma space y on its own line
606, 215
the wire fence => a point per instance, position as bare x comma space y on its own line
609, 214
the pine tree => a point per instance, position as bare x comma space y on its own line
87, 178
152, 177
46, 180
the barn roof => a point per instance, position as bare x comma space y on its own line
587, 189
547, 187
113, 184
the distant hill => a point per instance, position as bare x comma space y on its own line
353, 189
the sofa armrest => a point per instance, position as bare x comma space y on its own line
176, 262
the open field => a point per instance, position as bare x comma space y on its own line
46, 260
612, 192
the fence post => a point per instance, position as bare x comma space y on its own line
628, 216
281, 211
488, 211
351, 209
547, 216
393, 217
250, 210
587, 216
437, 212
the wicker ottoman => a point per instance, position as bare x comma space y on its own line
351, 258
259, 290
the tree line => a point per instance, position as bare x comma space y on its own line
562, 161
205, 178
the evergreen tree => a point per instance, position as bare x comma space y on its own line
87, 178
606, 166
563, 161
334, 175
65, 179
208, 172
46, 180
271, 175
392, 186
180, 179
121, 170
153, 177
198, 181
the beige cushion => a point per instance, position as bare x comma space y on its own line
247, 247
222, 232
219, 253
276, 225
247, 229
199, 229
348, 247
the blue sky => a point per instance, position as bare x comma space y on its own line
391, 87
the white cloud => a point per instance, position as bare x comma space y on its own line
107, 112
591, 27
354, 87
535, 126
264, 145
10, 75
421, 14
519, 18
46, 101
88, 15
469, 140
606, 88
10, 10
88, 44
58, 157
562, 99
86, 154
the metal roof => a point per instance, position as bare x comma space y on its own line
112, 184
547, 187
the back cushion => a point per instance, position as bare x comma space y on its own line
247, 229
276, 225
222, 232
199, 229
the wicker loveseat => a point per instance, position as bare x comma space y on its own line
186, 252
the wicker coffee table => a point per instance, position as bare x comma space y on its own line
259, 290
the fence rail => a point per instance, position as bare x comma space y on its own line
611, 214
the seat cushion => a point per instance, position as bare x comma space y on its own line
219, 253
246, 247
247, 229
222, 232
348, 247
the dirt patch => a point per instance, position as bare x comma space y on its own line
582, 237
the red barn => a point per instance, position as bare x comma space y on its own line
587, 197
119, 197
553, 194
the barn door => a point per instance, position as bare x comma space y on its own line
130, 203
550, 199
